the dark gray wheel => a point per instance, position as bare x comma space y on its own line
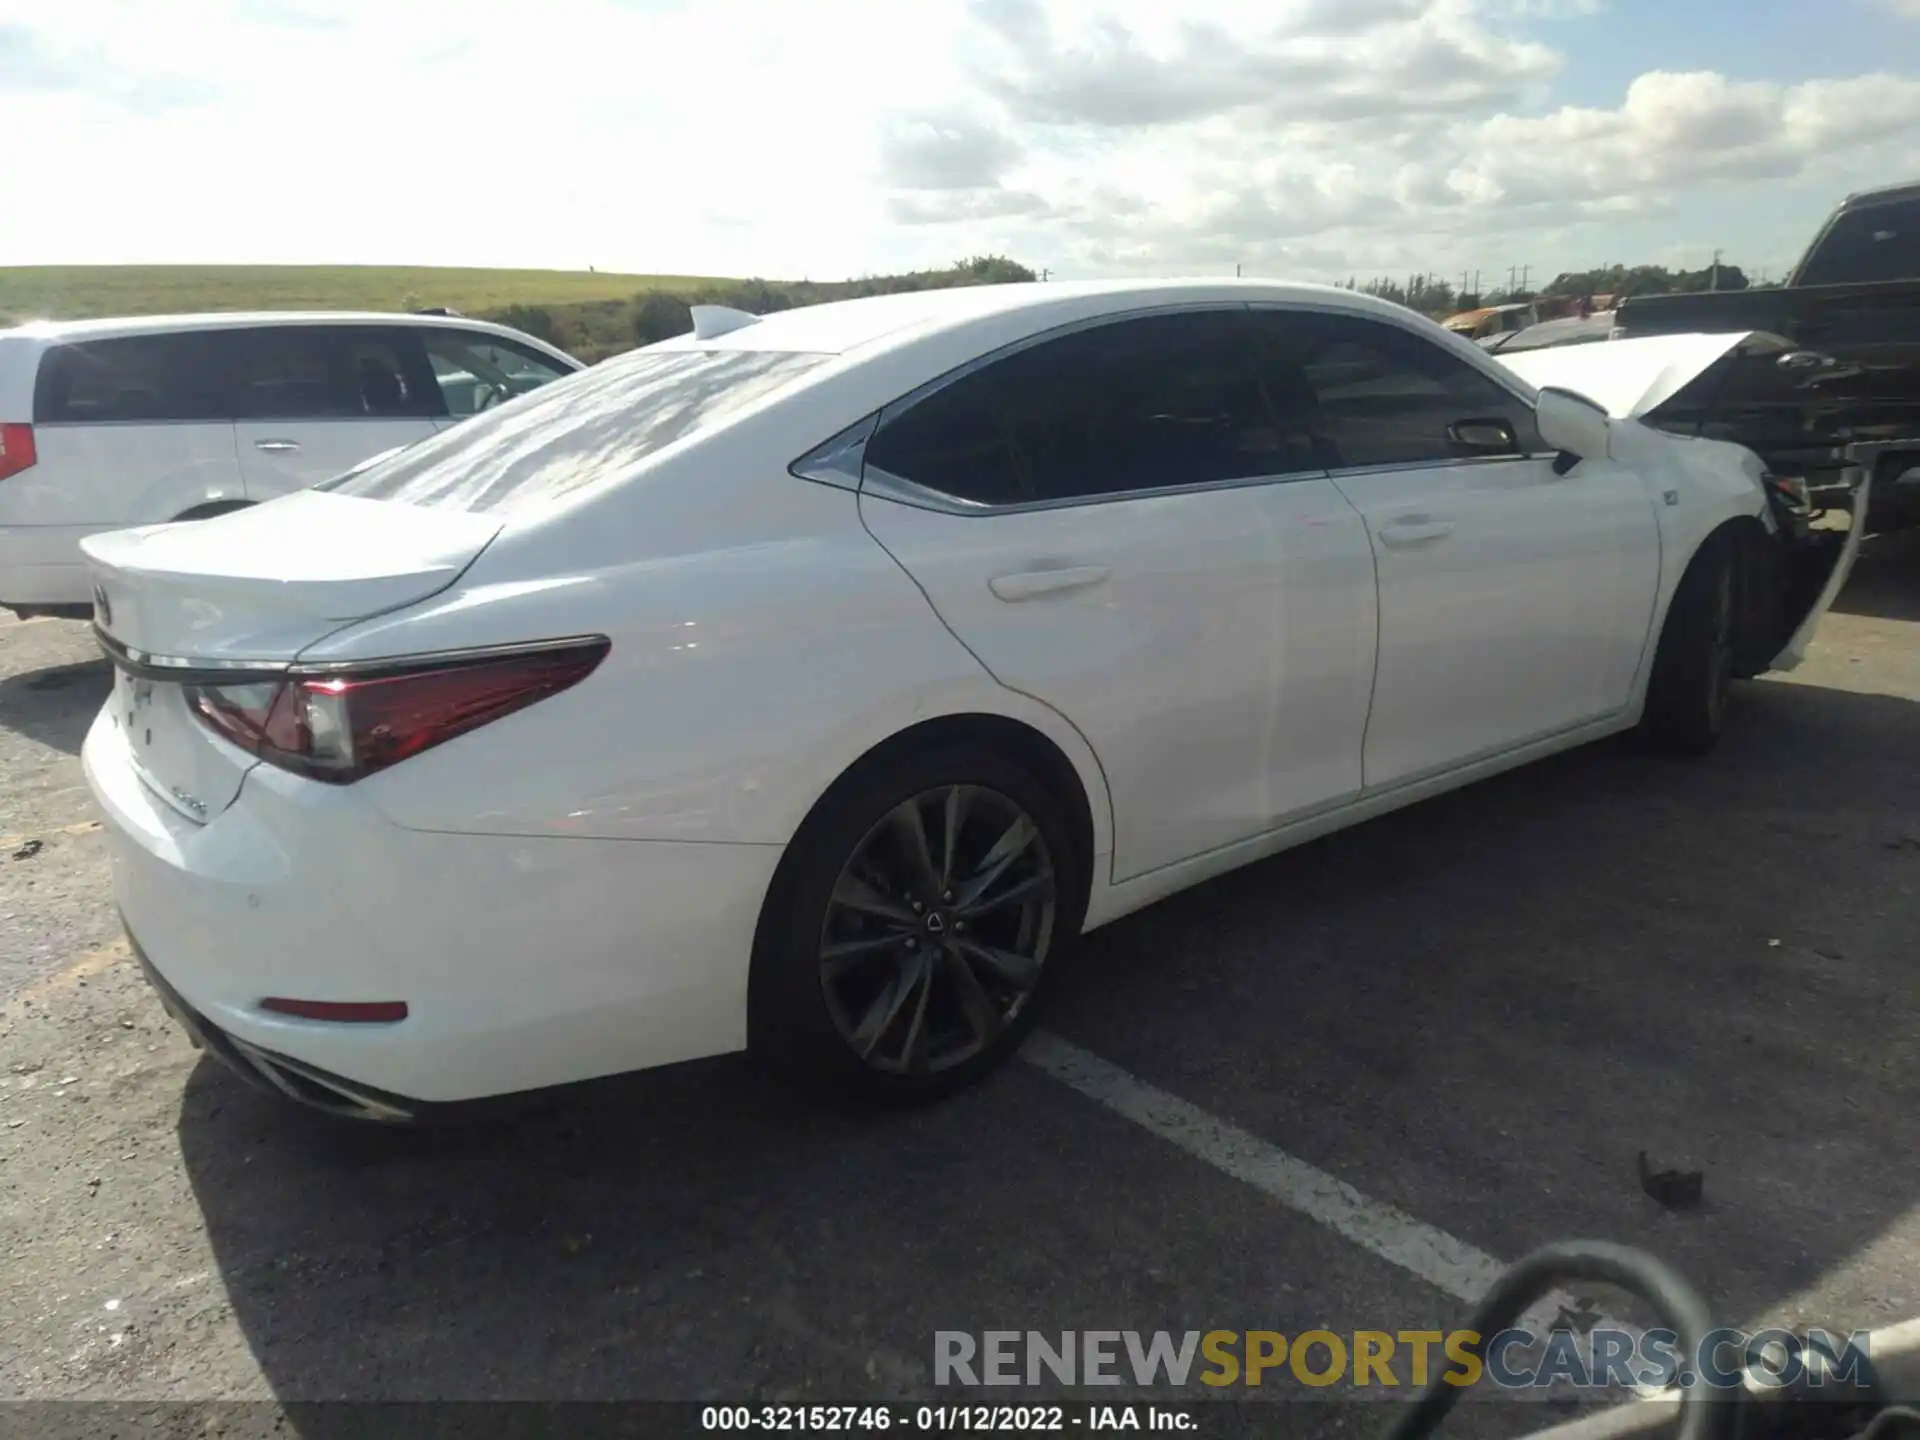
1694, 666
937, 929
906, 942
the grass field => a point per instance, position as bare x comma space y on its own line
592, 314
76, 291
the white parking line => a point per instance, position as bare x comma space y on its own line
1444, 1262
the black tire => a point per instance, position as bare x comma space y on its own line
801, 1022
1694, 666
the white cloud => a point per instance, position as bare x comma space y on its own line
1321, 137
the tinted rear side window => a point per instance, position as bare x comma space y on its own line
149, 378
579, 430
1151, 403
1154, 403
955, 442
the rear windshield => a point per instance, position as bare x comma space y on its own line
576, 431
1876, 243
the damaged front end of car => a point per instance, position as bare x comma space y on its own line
1755, 391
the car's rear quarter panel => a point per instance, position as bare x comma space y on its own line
762, 643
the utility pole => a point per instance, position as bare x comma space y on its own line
1713, 275
1045, 273
1525, 271
1236, 269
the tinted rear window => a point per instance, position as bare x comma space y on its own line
578, 430
1877, 243
135, 377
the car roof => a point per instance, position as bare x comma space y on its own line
103, 327
838, 326
1881, 195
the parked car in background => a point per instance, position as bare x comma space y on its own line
806, 683
1570, 330
109, 423
1848, 370
1492, 320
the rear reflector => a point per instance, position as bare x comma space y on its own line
17, 451
346, 724
350, 1012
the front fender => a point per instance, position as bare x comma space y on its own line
1699, 487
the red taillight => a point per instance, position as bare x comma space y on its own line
17, 452
344, 725
350, 1012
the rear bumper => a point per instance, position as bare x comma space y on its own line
42, 570
526, 962
281, 1075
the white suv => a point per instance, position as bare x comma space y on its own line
106, 424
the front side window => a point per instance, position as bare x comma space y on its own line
1150, 403
476, 372
1382, 395
133, 378
574, 433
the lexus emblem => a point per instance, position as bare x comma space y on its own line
102, 608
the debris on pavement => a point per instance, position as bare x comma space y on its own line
30, 849
1673, 1189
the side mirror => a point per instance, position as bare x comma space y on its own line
1573, 424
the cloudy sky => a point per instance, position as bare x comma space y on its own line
1312, 138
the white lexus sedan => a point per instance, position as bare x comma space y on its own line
805, 684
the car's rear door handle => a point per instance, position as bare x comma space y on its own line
276, 447
1414, 530
1031, 584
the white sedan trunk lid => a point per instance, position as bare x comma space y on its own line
232, 600
263, 583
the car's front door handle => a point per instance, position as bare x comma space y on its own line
1031, 584
276, 447
1414, 530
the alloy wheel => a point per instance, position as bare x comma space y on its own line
937, 929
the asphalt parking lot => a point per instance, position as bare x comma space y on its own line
1475, 1013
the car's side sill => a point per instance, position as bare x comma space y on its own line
1109, 903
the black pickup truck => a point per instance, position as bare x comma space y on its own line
1834, 358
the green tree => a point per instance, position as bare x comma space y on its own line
534, 321
658, 315
992, 270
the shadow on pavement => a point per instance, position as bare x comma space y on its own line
55, 706
1885, 583
1481, 1009
1477, 1010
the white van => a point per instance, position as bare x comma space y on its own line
106, 424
